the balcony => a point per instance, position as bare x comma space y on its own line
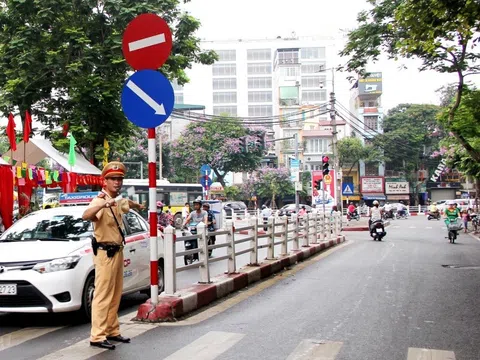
289, 102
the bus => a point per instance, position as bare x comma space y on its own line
174, 195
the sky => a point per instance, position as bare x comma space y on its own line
235, 19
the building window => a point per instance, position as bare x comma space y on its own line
179, 98
175, 86
260, 83
259, 69
370, 122
221, 110
289, 96
226, 55
259, 54
224, 83
314, 95
290, 143
372, 104
227, 97
371, 169
292, 71
318, 146
314, 81
224, 69
259, 96
312, 68
288, 56
313, 53
260, 110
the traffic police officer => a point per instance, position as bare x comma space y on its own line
106, 213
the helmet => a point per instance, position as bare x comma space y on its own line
206, 204
264, 206
197, 201
434, 203
375, 203
160, 204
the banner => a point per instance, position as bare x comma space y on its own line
397, 187
326, 195
371, 184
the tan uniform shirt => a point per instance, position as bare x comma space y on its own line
105, 228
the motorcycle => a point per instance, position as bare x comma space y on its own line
377, 230
190, 244
434, 215
388, 215
353, 216
401, 214
453, 226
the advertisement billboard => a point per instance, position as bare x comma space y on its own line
372, 184
400, 187
325, 195
370, 85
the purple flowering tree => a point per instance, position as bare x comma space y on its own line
217, 143
269, 183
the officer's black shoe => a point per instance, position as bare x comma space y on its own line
119, 338
105, 344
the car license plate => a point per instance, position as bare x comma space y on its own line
8, 289
379, 230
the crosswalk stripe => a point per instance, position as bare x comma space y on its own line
316, 350
20, 336
429, 354
82, 349
207, 347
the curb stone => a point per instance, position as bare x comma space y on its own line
185, 301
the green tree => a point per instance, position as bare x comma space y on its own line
62, 59
217, 142
233, 193
270, 183
443, 34
351, 150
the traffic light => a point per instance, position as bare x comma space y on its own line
326, 170
318, 184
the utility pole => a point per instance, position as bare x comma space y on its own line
297, 195
160, 154
336, 163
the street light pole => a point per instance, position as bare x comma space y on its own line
336, 162
297, 195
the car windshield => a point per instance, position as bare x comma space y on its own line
45, 227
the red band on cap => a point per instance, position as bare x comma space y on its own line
112, 171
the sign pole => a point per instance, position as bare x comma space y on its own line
152, 197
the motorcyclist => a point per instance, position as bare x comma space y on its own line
375, 215
433, 208
452, 213
402, 209
211, 222
351, 210
197, 215
266, 213
163, 219
388, 208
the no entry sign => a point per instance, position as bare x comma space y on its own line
147, 42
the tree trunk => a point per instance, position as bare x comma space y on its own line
477, 194
272, 205
220, 178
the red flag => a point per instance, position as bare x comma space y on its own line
66, 127
28, 127
11, 132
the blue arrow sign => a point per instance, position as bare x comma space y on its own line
206, 169
147, 98
204, 182
347, 189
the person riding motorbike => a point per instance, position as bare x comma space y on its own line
452, 213
211, 222
163, 220
351, 211
266, 213
375, 215
401, 209
197, 215
433, 208
388, 208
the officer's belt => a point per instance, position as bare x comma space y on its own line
106, 246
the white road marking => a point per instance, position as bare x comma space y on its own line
429, 354
428, 227
82, 349
146, 42
412, 227
207, 347
316, 350
20, 336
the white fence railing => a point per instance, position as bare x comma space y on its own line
301, 231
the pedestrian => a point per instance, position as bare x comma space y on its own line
302, 211
465, 218
105, 211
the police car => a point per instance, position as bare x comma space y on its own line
46, 260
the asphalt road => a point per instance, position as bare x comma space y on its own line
389, 300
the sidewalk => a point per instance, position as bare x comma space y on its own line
354, 225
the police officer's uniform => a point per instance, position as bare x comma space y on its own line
108, 268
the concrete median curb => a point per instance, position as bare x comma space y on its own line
171, 307
362, 228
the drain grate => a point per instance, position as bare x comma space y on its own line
467, 267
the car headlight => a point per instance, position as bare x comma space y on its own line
60, 264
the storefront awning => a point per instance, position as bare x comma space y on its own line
374, 197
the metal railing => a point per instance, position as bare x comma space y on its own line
301, 231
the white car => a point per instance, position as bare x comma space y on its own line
46, 261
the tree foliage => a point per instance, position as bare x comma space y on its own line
62, 59
351, 150
217, 143
443, 34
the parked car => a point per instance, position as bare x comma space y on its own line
234, 207
46, 261
290, 209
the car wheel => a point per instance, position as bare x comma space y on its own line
87, 298
161, 280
